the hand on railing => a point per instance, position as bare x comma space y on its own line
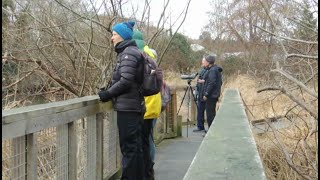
104, 95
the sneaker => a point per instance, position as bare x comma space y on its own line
198, 130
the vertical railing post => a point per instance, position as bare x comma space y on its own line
62, 152
167, 120
179, 126
174, 111
72, 154
31, 157
91, 147
99, 146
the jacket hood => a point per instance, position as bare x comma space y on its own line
219, 69
138, 37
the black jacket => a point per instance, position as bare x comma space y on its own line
213, 82
127, 77
199, 86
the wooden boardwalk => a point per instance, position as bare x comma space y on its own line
174, 156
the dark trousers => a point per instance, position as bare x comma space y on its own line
211, 109
200, 114
146, 133
130, 135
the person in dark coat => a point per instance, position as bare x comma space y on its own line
200, 102
127, 99
212, 87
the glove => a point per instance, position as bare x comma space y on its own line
103, 88
104, 95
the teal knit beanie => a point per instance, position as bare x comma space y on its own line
125, 29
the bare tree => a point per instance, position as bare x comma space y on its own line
56, 50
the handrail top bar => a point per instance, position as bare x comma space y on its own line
25, 120
20, 110
88, 99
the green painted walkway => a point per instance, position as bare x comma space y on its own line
227, 152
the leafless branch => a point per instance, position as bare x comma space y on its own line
285, 152
294, 80
166, 48
287, 38
300, 103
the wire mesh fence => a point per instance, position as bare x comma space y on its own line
52, 152
111, 150
47, 152
13, 158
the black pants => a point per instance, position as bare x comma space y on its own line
211, 109
200, 114
146, 132
130, 135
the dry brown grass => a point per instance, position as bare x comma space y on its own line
258, 104
271, 104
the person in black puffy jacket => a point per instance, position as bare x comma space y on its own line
127, 99
212, 87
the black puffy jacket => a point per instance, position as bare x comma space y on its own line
213, 82
127, 78
200, 86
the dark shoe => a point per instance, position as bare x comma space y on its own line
204, 133
198, 130
152, 172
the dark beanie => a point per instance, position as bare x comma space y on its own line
125, 29
210, 59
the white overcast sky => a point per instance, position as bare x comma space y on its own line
196, 19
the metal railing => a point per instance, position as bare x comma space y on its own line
73, 139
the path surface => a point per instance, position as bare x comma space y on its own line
174, 156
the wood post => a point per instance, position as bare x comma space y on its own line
32, 158
99, 146
179, 126
72, 154
91, 147
174, 110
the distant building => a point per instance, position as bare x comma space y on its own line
234, 54
196, 47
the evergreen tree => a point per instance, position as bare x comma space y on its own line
308, 24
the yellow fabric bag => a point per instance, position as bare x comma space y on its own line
153, 102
